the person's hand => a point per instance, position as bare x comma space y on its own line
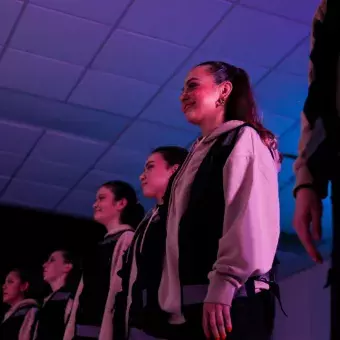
216, 320
307, 220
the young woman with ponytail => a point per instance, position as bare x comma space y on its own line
117, 208
223, 215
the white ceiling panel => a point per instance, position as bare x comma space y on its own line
61, 175
265, 38
78, 203
67, 149
282, 94
33, 74
297, 62
35, 195
105, 91
9, 162
166, 109
95, 179
58, 36
302, 10
157, 59
122, 161
60, 116
9, 12
3, 182
170, 20
17, 138
255, 72
277, 124
144, 137
104, 11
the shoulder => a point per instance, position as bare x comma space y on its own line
125, 238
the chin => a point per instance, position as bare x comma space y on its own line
192, 118
148, 193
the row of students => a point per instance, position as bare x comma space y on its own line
199, 264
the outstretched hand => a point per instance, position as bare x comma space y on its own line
216, 320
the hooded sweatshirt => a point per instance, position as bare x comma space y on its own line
105, 314
19, 321
251, 222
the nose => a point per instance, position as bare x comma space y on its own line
183, 96
4, 286
44, 265
94, 206
142, 177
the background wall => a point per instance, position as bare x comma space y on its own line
307, 304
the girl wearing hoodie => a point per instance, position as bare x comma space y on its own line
117, 208
137, 309
60, 271
223, 216
19, 321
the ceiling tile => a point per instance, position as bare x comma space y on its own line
255, 72
17, 138
112, 93
3, 182
177, 14
78, 203
36, 170
303, 10
289, 140
282, 94
32, 194
9, 11
58, 36
166, 109
144, 137
95, 179
259, 37
9, 163
55, 115
30, 73
277, 124
157, 59
297, 62
67, 149
122, 161
286, 173
104, 11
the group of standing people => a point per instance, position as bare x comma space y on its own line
199, 264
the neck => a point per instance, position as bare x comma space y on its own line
208, 127
113, 225
58, 283
16, 301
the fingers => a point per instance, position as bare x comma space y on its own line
206, 323
305, 236
221, 326
227, 319
316, 215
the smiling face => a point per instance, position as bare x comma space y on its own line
13, 288
202, 99
156, 175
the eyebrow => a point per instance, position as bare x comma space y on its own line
191, 79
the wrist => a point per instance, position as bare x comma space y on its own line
308, 186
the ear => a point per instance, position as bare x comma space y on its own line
225, 89
174, 168
121, 204
68, 267
24, 287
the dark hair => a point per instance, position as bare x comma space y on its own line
74, 275
134, 212
240, 104
25, 277
172, 154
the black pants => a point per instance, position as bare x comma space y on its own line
252, 319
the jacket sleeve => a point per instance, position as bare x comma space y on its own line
310, 138
28, 326
251, 221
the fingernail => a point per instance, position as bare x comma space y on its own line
229, 329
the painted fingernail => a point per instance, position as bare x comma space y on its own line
229, 329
